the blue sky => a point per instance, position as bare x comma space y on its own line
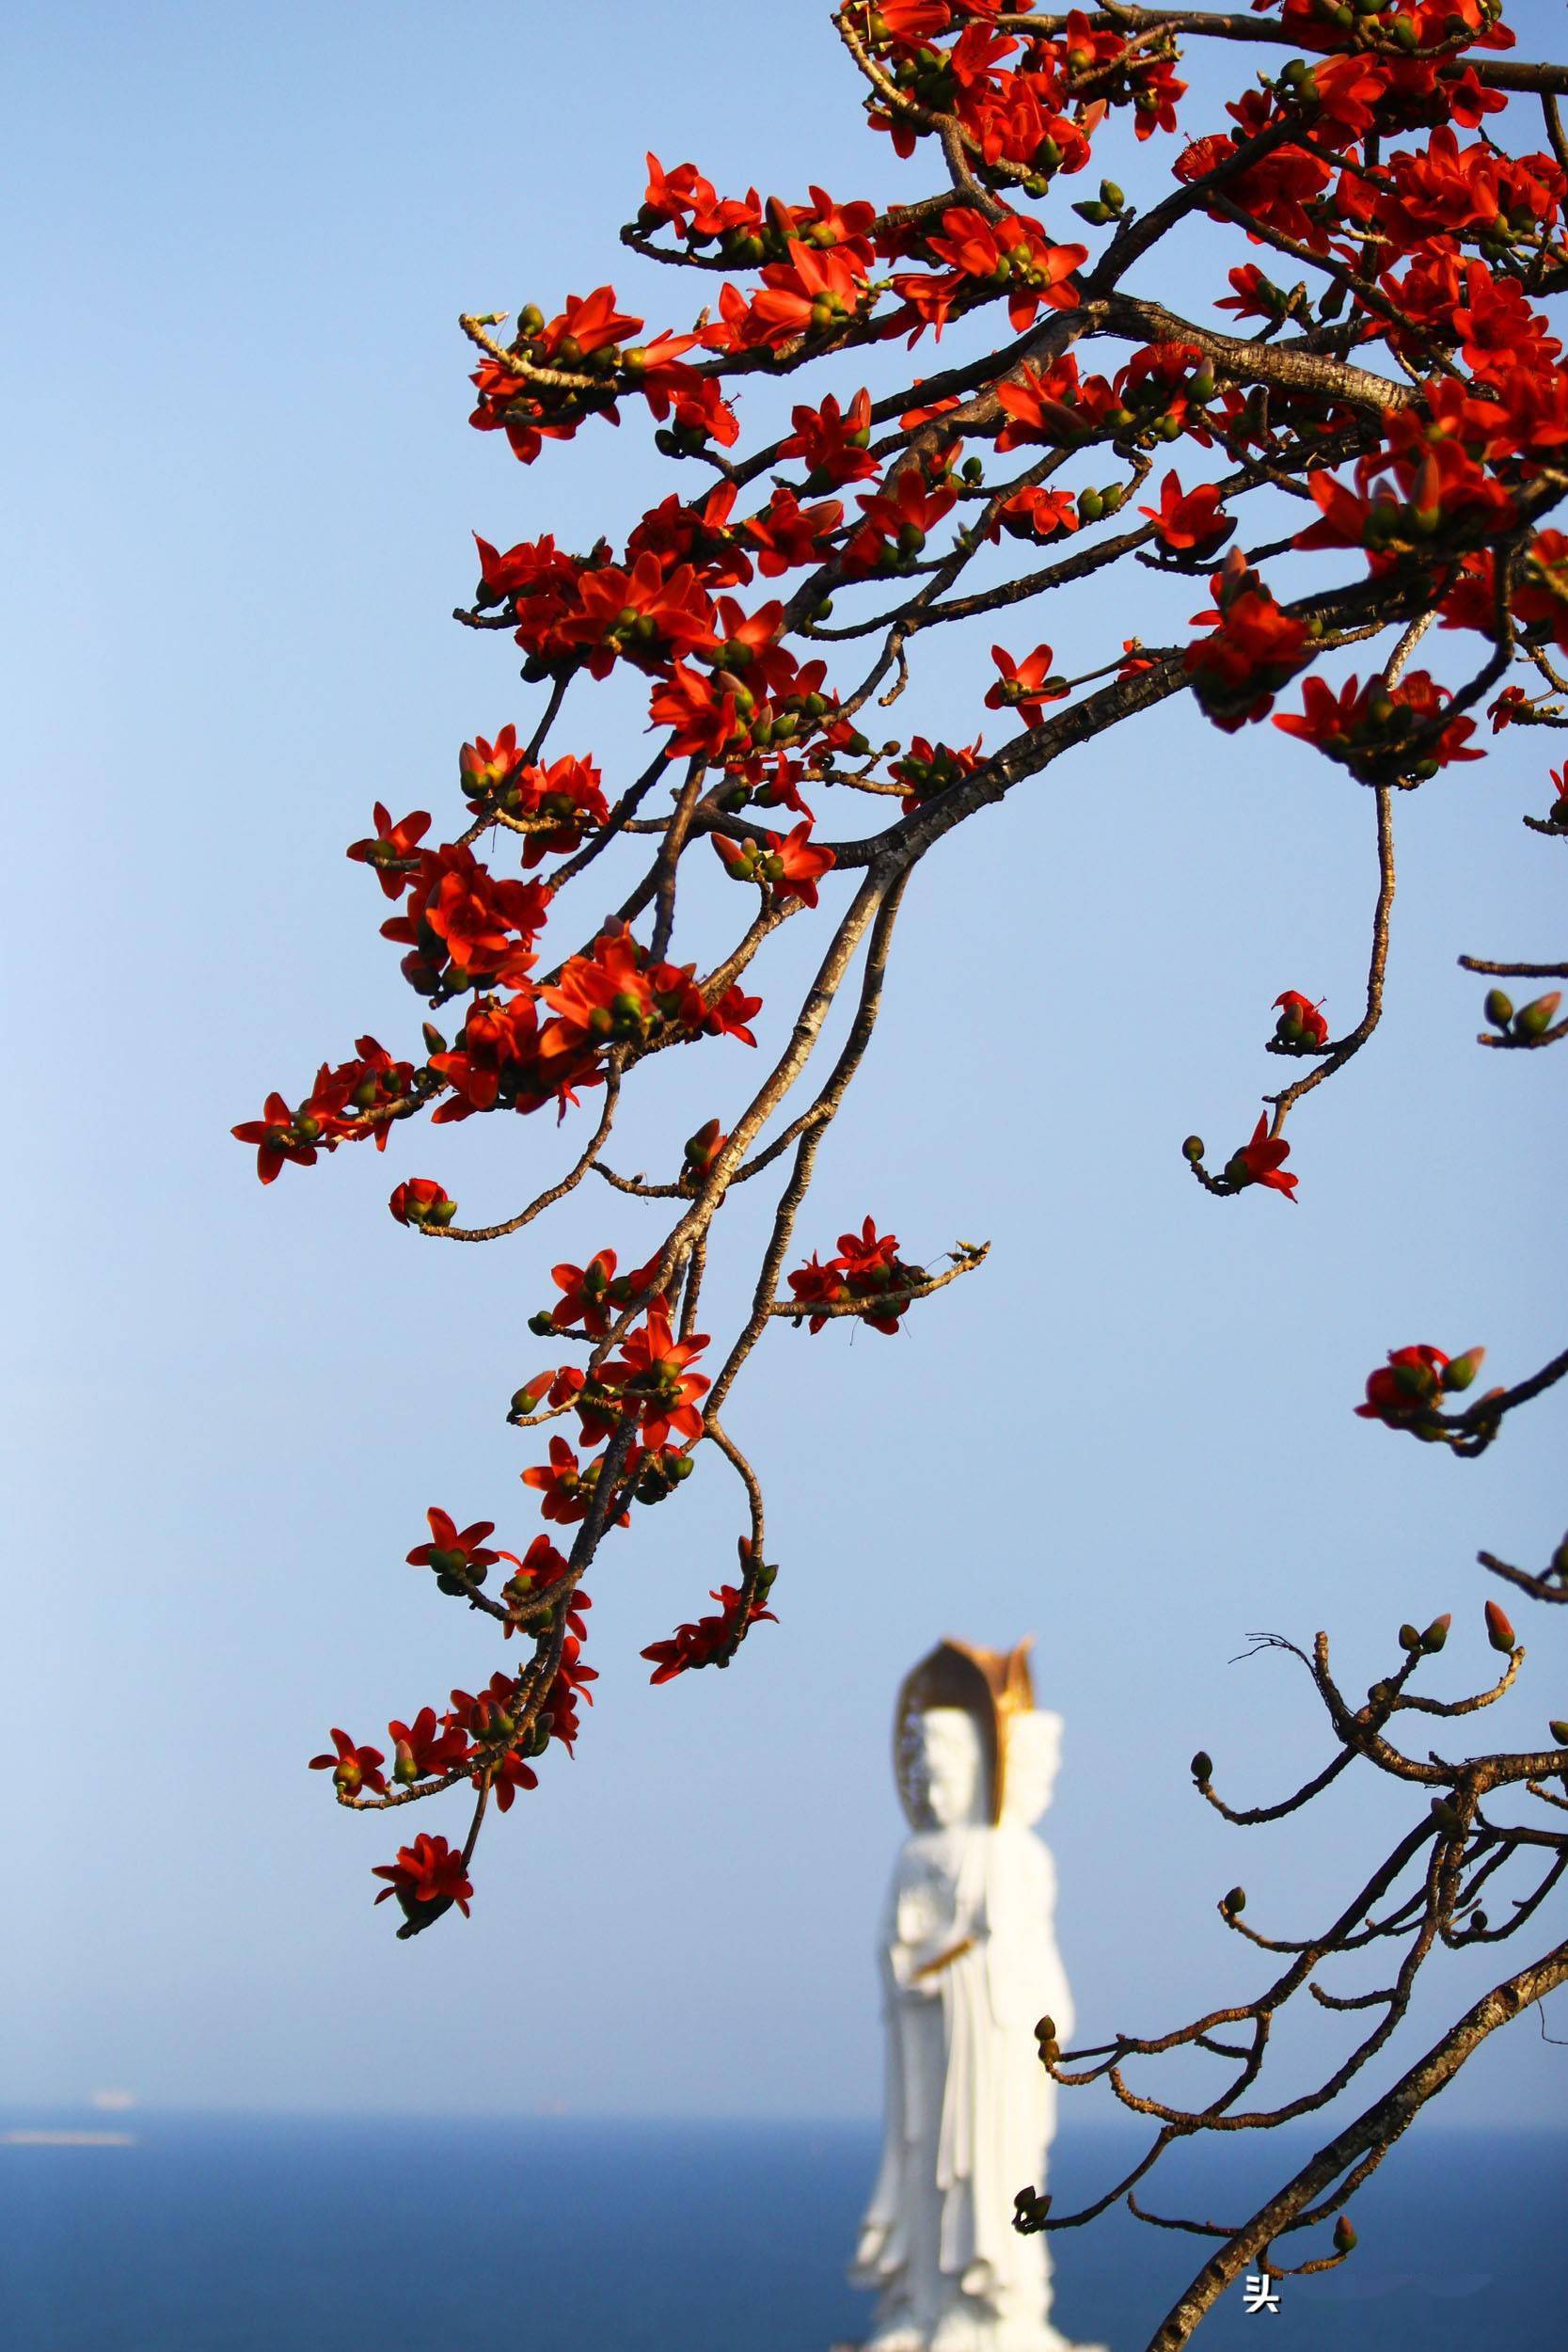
239, 511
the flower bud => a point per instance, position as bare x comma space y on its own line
1345, 2239
404, 1770
1499, 1008
1534, 1019
1046, 2029
1436, 1633
1459, 1370
542, 1325
1409, 1638
704, 1148
1029, 2212
525, 1401
1203, 1768
1235, 1902
1192, 1148
1559, 1731
1498, 1631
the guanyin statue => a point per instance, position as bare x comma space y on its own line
969, 1963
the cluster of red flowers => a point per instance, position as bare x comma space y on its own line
346, 1104
503, 1056
556, 804
1370, 156
927, 769
1164, 390
712, 1641
1382, 734
866, 1270
1237, 671
1038, 115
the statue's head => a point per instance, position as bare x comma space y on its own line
950, 1767
958, 1771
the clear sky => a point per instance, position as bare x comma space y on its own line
241, 490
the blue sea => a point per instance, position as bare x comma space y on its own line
261, 2233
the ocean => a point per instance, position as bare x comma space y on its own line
265, 2234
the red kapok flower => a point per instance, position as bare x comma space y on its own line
427, 1878
460, 1557
1191, 522
352, 1769
421, 1201
1258, 1162
1301, 1022
427, 1745
391, 850
1405, 1388
1025, 685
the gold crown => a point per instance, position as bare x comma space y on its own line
991, 1686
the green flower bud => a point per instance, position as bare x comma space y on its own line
1203, 1768
1559, 1731
1459, 1370
1192, 1148
1234, 1903
1409, 1638
1499, 1008
1345, 2239
1436, 1633
1534, 1019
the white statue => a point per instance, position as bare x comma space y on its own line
969, 1963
